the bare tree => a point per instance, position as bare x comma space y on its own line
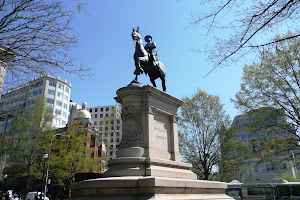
40, 32
251, 26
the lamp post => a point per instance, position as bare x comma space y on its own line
45, 158
294, 166
47, 174
4, 181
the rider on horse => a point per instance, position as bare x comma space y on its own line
150, 46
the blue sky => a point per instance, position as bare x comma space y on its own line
106, 46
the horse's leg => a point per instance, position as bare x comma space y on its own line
136, 77
138, 65
153, 82
163, 82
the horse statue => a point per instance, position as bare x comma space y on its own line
143, 62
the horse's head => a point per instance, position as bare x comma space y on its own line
136, 34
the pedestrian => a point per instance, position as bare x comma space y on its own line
7, 196
16, 197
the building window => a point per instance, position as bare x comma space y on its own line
63, 122
91, 110
57, 111
106, 115
112, 114
112, 128
106, 128
106, 122
112, 122
57, 120
118, 134
284, 165
60, 86
107, 109
67, 90
65, 106
58, 102
100, 129
118, 121
111, 134
59, 94
50, 100
52, 84
101, 109
95, 123
256, 168
118, 127
96, 115
101, 122
64, 114
111, 140
105, 135
35, 92
40, 91
66, 97
51, 92
96, 109
101, 115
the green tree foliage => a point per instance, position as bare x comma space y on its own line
204, 135
249, 26
231, 165
40, 32
274, 83
287, 177
27, 142
70, 155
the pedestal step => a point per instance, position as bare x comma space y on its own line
141, 166
142, 188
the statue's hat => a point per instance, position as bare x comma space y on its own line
148, 36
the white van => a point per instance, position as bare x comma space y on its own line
32, 196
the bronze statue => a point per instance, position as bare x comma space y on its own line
146, 59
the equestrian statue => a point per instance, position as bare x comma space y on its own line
146, 59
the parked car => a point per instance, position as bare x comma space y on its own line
35, 196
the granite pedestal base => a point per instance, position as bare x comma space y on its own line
141, 166
148, 163
144, 188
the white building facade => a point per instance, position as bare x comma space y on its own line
54, 91
258, 166
6, 54
107, 119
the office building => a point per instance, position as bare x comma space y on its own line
107, 119
94, 139
255, 135
55, 91
6, 54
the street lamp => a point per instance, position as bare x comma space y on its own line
47, 174
4, 181
45, 158
294, 166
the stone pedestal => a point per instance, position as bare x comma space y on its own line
148, 164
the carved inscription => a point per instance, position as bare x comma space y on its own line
161, 130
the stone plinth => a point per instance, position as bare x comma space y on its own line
142, 188
149, 145
148, 163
